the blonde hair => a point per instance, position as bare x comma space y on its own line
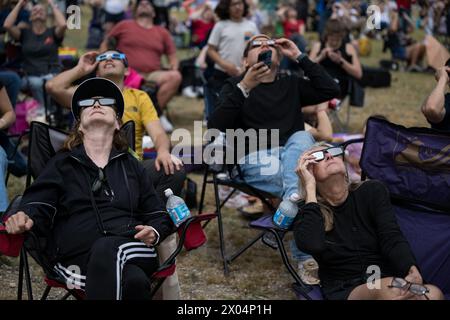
325, 207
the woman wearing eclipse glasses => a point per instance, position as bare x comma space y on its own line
96, 203
351, 230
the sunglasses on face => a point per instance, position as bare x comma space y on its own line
111, 55
107, 102
259, 43
414, 288
332, 151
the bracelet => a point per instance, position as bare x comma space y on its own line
300, 57
244, 90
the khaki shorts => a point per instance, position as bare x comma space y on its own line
153, 76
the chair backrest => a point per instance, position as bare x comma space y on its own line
414, 164
46, 141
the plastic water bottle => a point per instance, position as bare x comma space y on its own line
176, 207
286, 212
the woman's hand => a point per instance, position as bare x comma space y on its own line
254, 75
18, 223
443, 73
414, 275
288, 48
336, 57
146, 234
304, 171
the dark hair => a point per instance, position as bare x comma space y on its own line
223, 9
75, 138
334, 27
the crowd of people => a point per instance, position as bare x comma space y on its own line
257, 71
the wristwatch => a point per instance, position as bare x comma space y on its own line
244, 91
301, 57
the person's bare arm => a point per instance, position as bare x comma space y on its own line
433, 106
162, 145
354, 68
229, 68
10, 20
324, 128
60, 20
173, 61
7, 115
61, 88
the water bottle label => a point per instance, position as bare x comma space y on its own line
281, 220
179, 214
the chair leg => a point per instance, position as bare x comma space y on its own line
302, 286
202, 196
20, 284
244, 248
46, 292
220, 225
27, 276
67, 295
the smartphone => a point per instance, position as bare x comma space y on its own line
266, 57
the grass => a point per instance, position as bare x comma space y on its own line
258, 273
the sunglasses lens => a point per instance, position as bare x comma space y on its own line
335, 151
418, 289
101, 57
86, 103
318, 155
107, 101
399, 283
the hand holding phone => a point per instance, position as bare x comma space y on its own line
266, 57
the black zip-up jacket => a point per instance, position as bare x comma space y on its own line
275, 105
60, 202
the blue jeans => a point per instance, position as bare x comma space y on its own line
36, 85
273, 170
12, 83
3, 191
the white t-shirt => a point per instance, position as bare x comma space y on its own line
230, 37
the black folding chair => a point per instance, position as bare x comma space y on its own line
45, 141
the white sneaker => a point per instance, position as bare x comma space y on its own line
189, 92
167, 126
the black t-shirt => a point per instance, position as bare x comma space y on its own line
444, 125
40, 52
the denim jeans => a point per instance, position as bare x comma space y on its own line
12, 83
36, 85
273, 170
3, 190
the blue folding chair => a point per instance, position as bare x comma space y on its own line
414, 164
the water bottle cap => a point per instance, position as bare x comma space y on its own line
168, 192
294, 197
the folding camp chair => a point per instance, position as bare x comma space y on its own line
414, 163
45, 141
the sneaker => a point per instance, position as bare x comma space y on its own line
167, 126
414, 68
308, 271
252, 211
189, 92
